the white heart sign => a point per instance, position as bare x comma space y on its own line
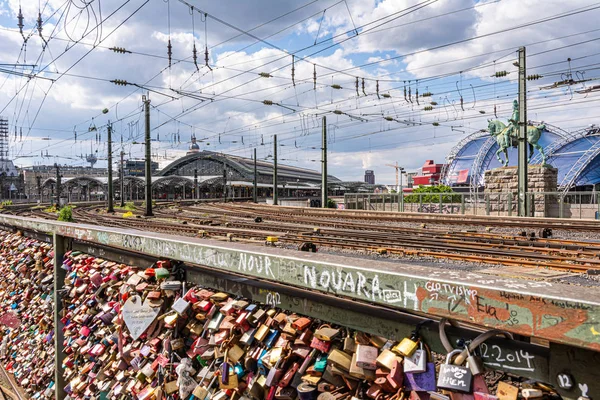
137, 316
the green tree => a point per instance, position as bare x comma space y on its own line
428, 194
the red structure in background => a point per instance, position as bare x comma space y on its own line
430, 174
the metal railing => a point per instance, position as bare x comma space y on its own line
582, 205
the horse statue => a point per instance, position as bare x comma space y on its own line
507, 137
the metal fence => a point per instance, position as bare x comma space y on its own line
584, 205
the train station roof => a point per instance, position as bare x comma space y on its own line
208, 162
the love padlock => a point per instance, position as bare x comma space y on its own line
454, 377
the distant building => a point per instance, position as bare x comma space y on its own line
11, 180
430, 174
194, 146
35, 176
135, 167
410, 179
370, 177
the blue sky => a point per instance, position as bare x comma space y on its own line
366, 131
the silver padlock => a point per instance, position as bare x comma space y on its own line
417, 362
474, 363
454, 377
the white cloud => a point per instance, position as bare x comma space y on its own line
237, 111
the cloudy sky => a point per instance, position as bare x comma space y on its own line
55, 97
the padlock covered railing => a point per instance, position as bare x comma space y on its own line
369, 295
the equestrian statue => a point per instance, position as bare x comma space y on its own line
507, 136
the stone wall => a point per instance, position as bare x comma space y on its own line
501, 182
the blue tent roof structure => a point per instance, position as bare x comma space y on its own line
576, 155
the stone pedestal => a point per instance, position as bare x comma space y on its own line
501, 183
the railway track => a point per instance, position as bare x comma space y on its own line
442, 219
330, 229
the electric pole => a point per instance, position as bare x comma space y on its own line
255, 182
111, 192
522, 145
324, 164
122, 178
274, 170
148, 158
196, 194
58, 184
38, 179
224, 183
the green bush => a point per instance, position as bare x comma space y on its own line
428, 195
130, 206
7, 203
331, 203
66, 214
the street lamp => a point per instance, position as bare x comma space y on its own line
400, 171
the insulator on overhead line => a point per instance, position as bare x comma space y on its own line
120, 82
195, 57
377, 89
206, 57
417, 95
427, 94
267, 102
434, 103
386, 95
336, 86
169, 51
293, 71
119, 50
315, 76
356, 84
388, 118
500, 74
363, 86
481, 111
436, 124
265, 75
39, 23
338, 112
534, 77
39, 28
428, 108
20, 23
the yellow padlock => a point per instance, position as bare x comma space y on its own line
406, 347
